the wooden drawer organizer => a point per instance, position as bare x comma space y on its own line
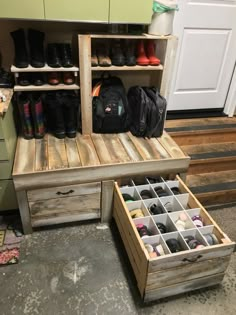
172, 273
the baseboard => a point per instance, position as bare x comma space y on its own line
195, 113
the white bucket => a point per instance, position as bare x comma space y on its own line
162, 23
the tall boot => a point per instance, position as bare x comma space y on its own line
130, 54
142, 59
21, 55
36, 39
150, 50
55, 116
65, 55
117, 58
25, 116
38, 116
71, 105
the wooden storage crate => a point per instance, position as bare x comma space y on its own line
172, 273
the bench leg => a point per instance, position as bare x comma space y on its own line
107, 200
24, 211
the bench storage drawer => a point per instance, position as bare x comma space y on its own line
64, 204
204, 250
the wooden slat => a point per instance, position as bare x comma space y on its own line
183, 287
24, 158
57, 157
189, 272
63, 191
129, 147
24, 211
162, 151
209, 148
41, 154
145, 149
212, 165
212, 178
72, 153
87, 152
116, 149
199, 122
170, 145
101, 149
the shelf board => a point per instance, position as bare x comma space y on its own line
46, 68
127, 68
125, 36
46, 87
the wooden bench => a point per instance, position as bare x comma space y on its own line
68, 180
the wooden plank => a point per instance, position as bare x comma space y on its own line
23, 164
87, 151
183, 287
41, 154
86, 205
212, 165
63, 191
209, 148
129, 147
162, 151
72, 153
116, 149
171, 146
145, 148
101, 149
107, 200
186, 273
84, 44
57, 157
46, 87
212, 178
127, 68
46, 68
217, 197
124, 36
103, 172
24, 211
199, 122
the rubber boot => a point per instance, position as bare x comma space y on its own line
150, 49
21, 55
130, 59
36, 44
53, 56
117, 58
55, 117
65, 55
142, 59
71, 105
38, 116
25, 116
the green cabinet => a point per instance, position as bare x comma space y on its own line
23, 9
77, 10
131, 11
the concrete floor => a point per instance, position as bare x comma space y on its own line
83, 269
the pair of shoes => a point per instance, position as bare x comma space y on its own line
36, 42
32, 116
25, 79
100, 56
6, 79
62, 113
121, 57
147, 56
55, 78
59, 55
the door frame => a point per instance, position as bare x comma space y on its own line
230, 103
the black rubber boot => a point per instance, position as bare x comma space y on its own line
55, 116
21, 55
36, 39
71, 105
118, 58
53, 56
130, 54
65, 55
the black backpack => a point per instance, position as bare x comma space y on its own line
147, 111
109, 106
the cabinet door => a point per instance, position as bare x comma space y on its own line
132, 11
23, 9
77, 10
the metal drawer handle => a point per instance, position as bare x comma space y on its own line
65, 193
193, 259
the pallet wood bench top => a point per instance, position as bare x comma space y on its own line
87, 158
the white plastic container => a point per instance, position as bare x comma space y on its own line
162, 23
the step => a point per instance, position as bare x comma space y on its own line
213, 188
211, 157
204, 130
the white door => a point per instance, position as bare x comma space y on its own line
206, 54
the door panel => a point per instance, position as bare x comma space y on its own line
23, 9
206, 54
132, 11
77, 10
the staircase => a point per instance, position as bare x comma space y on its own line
211, 144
